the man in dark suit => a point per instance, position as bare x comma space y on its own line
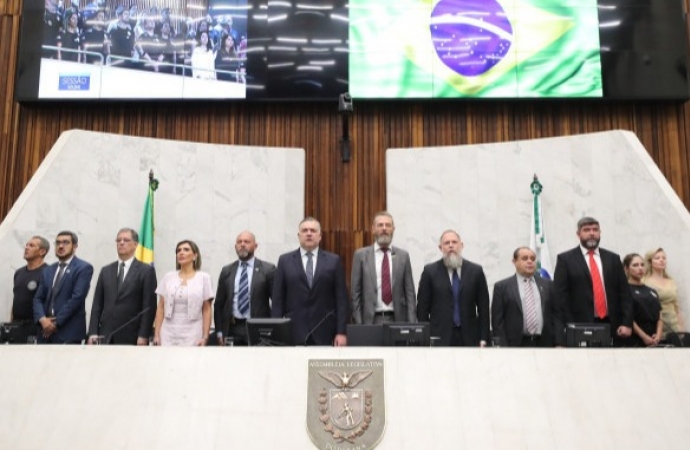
382, 284
309, 287
124, 303
591, 285
522, 305
454, 297
59, 304
244, 290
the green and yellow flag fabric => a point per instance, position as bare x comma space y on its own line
474, 48
144, 251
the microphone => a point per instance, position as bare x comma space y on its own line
306, 339
124, 325
678, 336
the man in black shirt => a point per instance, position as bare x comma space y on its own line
26, 281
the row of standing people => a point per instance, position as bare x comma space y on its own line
309, 287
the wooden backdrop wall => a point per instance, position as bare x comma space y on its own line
342, 195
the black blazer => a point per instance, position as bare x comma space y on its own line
259, 294
575, 295
111, 308
507, 315
435, 302
320, 312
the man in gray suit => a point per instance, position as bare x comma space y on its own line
244, 290
124, 303
382, 285
522, 306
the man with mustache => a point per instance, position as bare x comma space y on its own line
591, 285
382, 284
244, 290
454, 297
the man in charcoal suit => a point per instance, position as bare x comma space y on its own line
244, 291
124, 303
309, 288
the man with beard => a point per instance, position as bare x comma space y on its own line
382, 284
454, 297
244, 289
93, 39
121, 37
59, 308
591, 286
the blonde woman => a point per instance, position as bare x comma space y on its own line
657, 278
184, 301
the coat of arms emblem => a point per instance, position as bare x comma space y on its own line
346, 408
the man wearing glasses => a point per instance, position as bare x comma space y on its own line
124, 303
59, 307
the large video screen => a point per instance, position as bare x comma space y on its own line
373, 49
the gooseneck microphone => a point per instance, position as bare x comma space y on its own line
306, 339
124, 325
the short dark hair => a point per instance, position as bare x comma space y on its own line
628, 259
517, 251
43, 243
195, 249
71, 234
587, 220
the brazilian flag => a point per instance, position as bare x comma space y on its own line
474, 48
144, 251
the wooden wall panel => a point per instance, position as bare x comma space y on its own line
343, 196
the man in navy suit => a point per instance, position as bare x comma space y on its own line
59, 304
124, 303
309, 288
591, 285
454, 297
522, 305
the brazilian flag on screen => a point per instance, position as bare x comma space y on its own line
144, 252
474, 48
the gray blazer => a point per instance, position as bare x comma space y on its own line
364, 288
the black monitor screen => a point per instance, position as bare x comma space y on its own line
406, 335
588, 335
364, 335
269, 332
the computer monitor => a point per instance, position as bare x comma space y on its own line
269, 332
406, 335
588, 335
364, 335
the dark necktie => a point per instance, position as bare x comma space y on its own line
120, 275
386, 291
56, 285
243, 295
456, 298
597, 287
310, 269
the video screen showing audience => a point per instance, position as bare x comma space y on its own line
170, 49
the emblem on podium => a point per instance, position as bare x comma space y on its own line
345, 404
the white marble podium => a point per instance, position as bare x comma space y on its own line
74, 397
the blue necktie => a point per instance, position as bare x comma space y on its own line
310, 269
243, 296
456, 298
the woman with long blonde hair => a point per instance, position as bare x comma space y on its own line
657, 278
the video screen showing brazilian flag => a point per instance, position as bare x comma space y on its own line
474, 48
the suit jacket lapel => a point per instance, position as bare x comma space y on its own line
515, 292
297, 261
542, 293
318, 269
370, 264
396, 264
131, 273
582, 263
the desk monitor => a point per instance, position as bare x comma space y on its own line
588, 335
269, 332
364, 335
406, 335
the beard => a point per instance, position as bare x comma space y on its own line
452, 260
384, 240
590, 244
244, 255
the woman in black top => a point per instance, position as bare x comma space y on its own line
647, 324
228, 60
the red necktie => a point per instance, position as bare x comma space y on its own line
598, 287
386, 292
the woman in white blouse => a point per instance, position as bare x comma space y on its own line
203, 58
184, 301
